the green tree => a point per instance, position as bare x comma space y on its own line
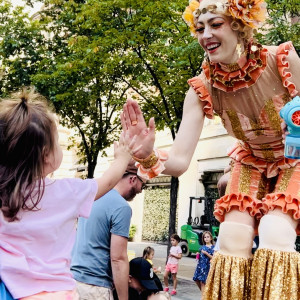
82, 80
58, 54
282, 24
157, 57
22, 47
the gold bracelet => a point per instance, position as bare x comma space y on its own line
147, 162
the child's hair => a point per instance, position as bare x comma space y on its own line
26, 137
209, 233
147, 251
175, 237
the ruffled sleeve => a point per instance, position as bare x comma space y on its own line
197, 84
288, 64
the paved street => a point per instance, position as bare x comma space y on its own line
186, 289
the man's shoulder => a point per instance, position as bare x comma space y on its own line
113, 200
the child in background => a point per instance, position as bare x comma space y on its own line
148, 254
172, 263
38, 214
203, 265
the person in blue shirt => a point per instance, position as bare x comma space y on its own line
99, 257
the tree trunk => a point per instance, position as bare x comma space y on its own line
173, 209
91, 170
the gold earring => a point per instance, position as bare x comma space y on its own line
239, 49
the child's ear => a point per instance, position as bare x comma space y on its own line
129, 278
46, 159
45, 156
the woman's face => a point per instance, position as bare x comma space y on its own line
216, 37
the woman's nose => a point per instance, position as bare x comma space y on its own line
207, 33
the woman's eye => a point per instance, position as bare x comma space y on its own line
201, 29
216, 25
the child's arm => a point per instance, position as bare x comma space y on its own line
122, 152
207, 254
178, 255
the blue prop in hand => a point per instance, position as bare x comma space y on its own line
291, 115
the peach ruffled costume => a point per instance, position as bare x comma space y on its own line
248, 101
249, 108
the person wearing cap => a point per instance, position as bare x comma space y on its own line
99, 258
143, 282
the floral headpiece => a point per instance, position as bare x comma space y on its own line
250, 12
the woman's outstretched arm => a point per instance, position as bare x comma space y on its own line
182, 150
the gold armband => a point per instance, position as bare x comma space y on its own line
152, 165
147, 162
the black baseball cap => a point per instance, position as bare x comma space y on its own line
142, 270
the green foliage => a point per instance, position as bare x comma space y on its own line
84, 55
160, 54
60, 57
22, 47
282, 24
156, 214
132, 231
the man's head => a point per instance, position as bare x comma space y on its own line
130, 184
141, 275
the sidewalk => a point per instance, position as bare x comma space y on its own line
186, 289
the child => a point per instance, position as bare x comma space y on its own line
38, 214
203, 265
172, 263
148, 254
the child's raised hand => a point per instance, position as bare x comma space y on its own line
125, 147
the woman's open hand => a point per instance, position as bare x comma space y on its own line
134, 124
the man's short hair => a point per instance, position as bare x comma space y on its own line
131, 168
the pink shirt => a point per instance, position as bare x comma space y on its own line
35, 251
174, 250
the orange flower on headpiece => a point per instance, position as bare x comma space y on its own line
188, 15
250, 12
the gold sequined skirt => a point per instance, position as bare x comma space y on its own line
275, 275
228, 278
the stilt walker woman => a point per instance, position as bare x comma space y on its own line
246, 85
